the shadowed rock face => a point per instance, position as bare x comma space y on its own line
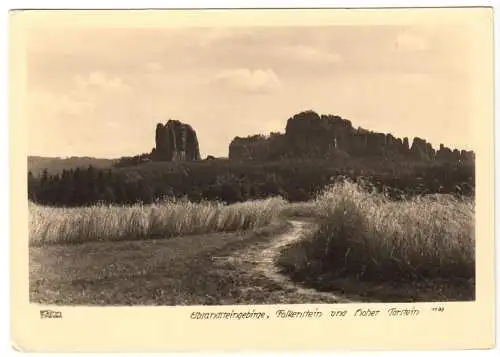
175, 141
308, 134
421, 149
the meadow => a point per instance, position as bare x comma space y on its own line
163, 219
361, 236
365, 237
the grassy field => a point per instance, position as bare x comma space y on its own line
166, 219
417, 249
177, 271
365, 237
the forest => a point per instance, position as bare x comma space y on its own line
228, 181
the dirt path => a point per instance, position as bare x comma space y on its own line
263, 260
213, 269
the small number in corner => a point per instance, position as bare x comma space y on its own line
438, 309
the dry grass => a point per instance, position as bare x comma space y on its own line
408, 250
365, 235
161, 220
361, 234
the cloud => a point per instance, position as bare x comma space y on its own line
99, 92
49, 105
91, 98
154, 67
304, 53
416, 78
99, 81
247, 80
411, 42
213, 36
83, 117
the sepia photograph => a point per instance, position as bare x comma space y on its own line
250, 165
232, 163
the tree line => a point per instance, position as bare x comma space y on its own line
231, 182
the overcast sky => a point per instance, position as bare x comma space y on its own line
104, 90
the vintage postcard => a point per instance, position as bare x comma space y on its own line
189, 180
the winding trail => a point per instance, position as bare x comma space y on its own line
263, 260
210, 269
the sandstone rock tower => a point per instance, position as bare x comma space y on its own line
175, 141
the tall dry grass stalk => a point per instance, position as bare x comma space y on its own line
361, 233
367, 235
160, 220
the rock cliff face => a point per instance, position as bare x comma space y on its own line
175, 141
308, 134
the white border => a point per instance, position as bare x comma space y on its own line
127, 4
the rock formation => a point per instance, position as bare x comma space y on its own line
308, 134
175, 141
421, 149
